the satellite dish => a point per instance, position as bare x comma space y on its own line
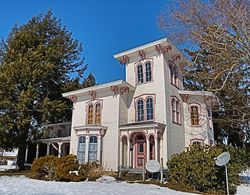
153, 166
222, 159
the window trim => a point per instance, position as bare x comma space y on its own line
196, 140
94, 103
199, 113
144, 98
143, 63
176, 115
174, 74
84, 151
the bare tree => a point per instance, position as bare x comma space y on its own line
216, 35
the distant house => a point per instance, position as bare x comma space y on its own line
123, 124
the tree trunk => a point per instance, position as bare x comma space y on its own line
21, 157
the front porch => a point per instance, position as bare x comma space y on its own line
139, 143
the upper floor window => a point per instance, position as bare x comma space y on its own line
94, 113
144, 72
174, 75
139, 74
149, 108
145, 109
148, 72
194, 115
97, 113
140, 110
176, 110
90, 114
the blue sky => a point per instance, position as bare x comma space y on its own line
105, 27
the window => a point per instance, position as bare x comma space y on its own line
145, 109
173, 110
140, 110
81, 150
209, 114
196, 141
194, 115
148, 72
90, 114
93, 148
149, 108
176, 110
94, 113
144, 72
97, 113
140, 74
174, 74
178, 114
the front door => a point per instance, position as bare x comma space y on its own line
140, 150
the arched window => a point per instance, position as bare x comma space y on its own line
140, 110
92, 148
178, 112
174, 74
194, 115
139, 74
150, 108
148, 72
97, 113
173, 110
81, 150
90, 114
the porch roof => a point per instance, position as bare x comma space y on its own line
56, 139
140, 125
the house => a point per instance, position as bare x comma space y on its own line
149, 116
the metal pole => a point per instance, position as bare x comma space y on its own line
161, 170
227, 180
143, 170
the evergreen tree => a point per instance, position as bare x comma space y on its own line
37, 64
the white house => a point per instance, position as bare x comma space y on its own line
123, 124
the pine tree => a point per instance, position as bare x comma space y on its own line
37, 64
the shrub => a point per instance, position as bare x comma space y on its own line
64, 166
91, 171
196, 168
45, 166
54, 168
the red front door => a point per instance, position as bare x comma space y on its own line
140, 150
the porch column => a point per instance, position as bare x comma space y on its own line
99, 148
128, 153
156, 149
87, 149
148, 149
26, 153
48, 147
37, 150
59, 149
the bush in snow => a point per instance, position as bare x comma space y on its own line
45, 167
64, 166
196, 168
65, 169
91, 171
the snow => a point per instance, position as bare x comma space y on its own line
105, 185
243, 190
7, 167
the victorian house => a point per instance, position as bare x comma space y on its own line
123, 124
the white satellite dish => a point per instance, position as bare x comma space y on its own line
153, 166
222, 159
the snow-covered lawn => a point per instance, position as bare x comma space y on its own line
107, 185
